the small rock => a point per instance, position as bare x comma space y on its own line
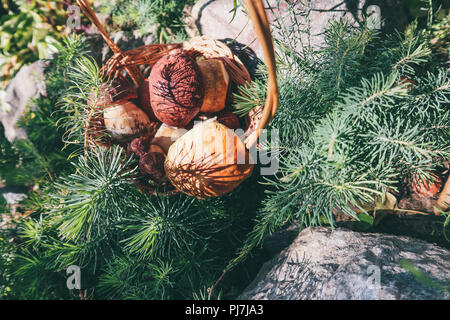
324, 264
16, 98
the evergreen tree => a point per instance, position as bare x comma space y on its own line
357, 117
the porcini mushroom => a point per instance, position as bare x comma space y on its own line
208, 161
166, 136
142, 145
216, 81
124, 121
176, 88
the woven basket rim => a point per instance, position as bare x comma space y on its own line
201, 46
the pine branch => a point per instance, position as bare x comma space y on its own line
85, 80
358, 143
168, 226
92, 199
402, 53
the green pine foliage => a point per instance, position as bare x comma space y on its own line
40, 158
128, 244
163, 18
356, 118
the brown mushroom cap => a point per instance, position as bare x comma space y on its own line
152, 165
216, 81
229, 119
176, 89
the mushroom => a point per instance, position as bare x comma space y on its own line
166, 136
118, 89
208, 161
151, 164
142, 145
229, 119
216, 81
176, 88
124, 121
427, 188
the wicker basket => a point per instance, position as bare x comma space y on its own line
129, 61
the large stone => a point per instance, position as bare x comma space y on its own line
341, 264
213, 18
281, 239
17, 97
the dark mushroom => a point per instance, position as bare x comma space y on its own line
176, 89
151, 164
208, 161
229, 119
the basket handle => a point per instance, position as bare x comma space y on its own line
133, 71
261, 25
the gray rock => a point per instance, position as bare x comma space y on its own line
16, 98
281, 239
324, 264
213, 18
10, 196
